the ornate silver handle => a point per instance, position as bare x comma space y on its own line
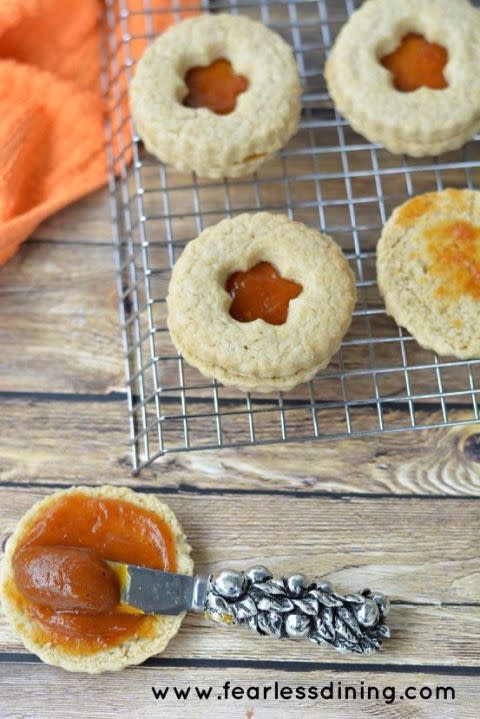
292, 607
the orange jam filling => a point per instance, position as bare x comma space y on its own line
261, 293
215, 86
454, 251
66, 579
417, 63
62, 582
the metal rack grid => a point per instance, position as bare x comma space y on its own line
328, 177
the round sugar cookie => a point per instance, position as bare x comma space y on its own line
255, 354
265, 115
134, 649
428, 266
438, 106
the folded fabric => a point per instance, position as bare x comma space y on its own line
52, 111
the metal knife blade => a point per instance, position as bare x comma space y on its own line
156, 592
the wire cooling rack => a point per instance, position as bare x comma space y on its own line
328, 177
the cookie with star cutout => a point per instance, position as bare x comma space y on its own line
405, 74
260, 302
217, 95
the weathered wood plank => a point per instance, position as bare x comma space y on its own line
391, 545
420, 635
59, 321
415, 551
85, 221
129, 694
87, 442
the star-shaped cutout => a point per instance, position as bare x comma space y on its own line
417, 63
261, 293
215, 86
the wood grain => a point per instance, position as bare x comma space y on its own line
129, 694
421, 636
85, 221
86, 442
348, 541
59, 327
343, 542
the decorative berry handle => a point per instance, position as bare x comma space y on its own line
292, 607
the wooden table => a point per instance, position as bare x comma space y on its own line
398, 513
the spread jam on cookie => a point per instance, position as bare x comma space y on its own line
62, 582
454, 252
66, 579
417, 63
261, 293
215, 86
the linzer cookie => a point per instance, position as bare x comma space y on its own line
217, 94
63, 542
260, 302
429, 270
405, 74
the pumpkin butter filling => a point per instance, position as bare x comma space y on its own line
215, 86
417, 63
63, 582
261, 293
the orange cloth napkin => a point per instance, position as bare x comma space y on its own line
51, 107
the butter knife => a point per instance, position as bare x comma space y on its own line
287, 607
